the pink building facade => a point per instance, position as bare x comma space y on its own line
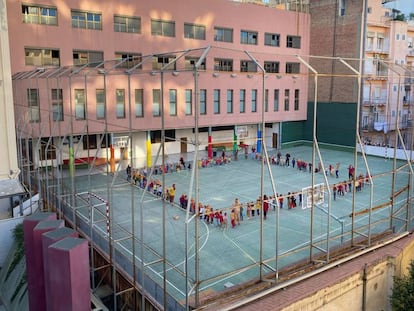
127, 69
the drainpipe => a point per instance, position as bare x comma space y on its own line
364, 288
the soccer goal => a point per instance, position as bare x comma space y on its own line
318, 192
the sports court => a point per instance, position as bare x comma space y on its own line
207, 259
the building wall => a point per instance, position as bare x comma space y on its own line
335, 35
256, 18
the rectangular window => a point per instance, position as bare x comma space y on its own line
248, 66
156, 102
41, 57
248, 37
380, 44
162, 28
192, 31
292, 67
242, 101
57, 104
216, 101
276, 101
293, 42
271, 67
80, 104
173, 102
128, 60
93, 58
86, 20
272, 39
33, 102
254, 100
286, 100
159, 62
36, 14
190, 62
188, 102
229, 101
342, 7
130, 24
296, 99
100, 104
120, 103
139, 103
223, 34
203, 101
266, 100
221, 64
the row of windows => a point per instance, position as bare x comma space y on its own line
51, 57
80, 102
35, 14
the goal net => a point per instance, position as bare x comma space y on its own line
318, 193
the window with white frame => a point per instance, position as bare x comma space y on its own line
287, 100
128, 60
229, 101
100, 104
162, 28
93, 58
156, 102
57, 104
173, 102
139, 103
39, 14
193, 31
188, 102
33, 103
223, 34
370, 40
131, 24
271, 67
276, 100
42, 57
242, 100
80, 102
221, 64
248, 37
254, 100
203, 101
292, 67
161, 61
266, 100
248, 66
86, 20
190, 62
120, 103
293, 42
272, 39
216, 98
296, 104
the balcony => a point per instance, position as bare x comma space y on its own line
375, 103
380, 76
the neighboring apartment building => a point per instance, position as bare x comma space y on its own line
82, 69
387, 92
355, 30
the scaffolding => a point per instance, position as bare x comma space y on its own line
50, 151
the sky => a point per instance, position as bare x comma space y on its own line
405, 6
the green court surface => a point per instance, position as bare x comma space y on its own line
145, 230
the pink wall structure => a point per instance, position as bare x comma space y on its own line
211, 14
48, 239
69, 275
34, 259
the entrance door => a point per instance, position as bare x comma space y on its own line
274, 141
183, 147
